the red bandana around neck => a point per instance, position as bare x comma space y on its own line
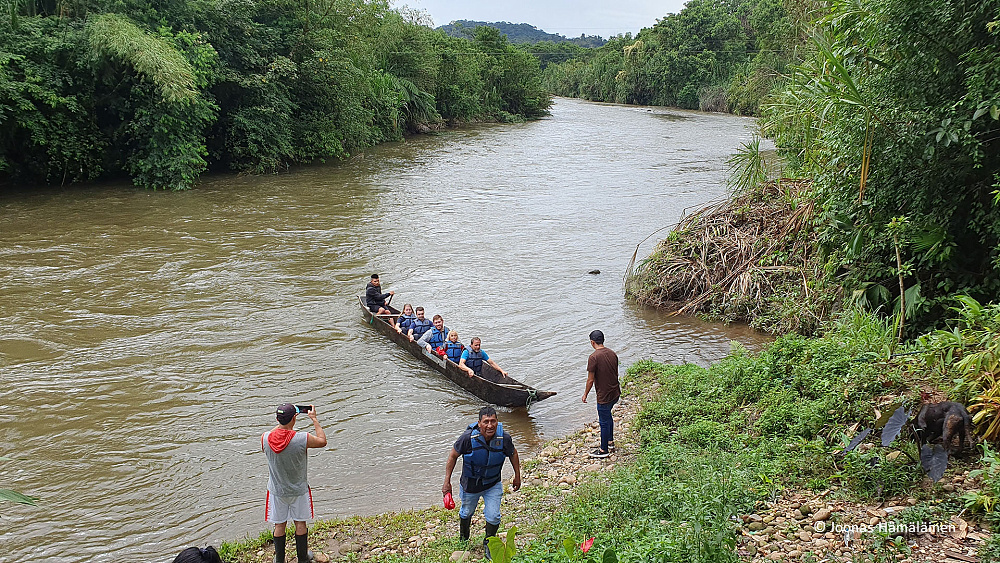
279, 439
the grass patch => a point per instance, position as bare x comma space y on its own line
714, 443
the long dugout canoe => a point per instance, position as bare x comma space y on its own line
492, 386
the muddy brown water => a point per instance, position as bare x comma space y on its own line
147, 336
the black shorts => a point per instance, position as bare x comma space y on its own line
375, 308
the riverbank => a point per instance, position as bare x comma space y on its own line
739, 461
550, 475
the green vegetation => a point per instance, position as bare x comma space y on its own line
893, 114
162, 91
890, 117
718, 443
713, 55
14, 496
519, 33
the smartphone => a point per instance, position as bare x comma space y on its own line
303, 408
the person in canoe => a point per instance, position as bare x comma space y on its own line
473, 357
436, 336
453, 348
375, 299
419, 325
405, 319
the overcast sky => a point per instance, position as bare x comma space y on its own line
567, 17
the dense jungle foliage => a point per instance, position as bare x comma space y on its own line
714, 55
893, 113
890, 108
160, 90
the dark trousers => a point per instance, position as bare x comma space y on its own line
607, 424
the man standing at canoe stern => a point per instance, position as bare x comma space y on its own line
288, 493
602, 373
472, 359
375, 299
483, 446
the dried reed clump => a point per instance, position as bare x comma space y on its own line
740, 260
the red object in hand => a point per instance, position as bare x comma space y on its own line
449, 502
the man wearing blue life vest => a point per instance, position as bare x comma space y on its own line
483, 446
472, 359
419, 325
436, 336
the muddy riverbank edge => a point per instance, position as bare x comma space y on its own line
550, 474
784, 516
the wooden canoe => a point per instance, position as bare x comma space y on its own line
492, 387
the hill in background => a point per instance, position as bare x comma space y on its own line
520, 33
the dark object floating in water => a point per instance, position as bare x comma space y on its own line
492, 386
594, 272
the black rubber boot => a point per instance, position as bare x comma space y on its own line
302, 548
491, 530
279, 549
463, 528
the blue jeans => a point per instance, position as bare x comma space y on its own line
491, 503
607, 424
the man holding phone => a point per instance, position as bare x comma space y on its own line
288, 494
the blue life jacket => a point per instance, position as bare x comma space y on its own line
406, 321
436, 338
475, 361
485, 461
420, 327
453, 350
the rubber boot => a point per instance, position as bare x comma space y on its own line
491, 530
302, 548
279, 549
463, 528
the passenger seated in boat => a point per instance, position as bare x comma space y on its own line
419, 325
472, 359
375, 299
405, 319
436, 336
453, 348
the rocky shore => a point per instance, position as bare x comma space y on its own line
820, 527
548, 475
798, 525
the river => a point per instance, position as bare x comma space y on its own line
148, 336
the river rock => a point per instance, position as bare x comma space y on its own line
805, 509
805, 536
592, 467
755, 526
321, 558
459, 556
822, 515
349, 548
550, 451
948, 488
